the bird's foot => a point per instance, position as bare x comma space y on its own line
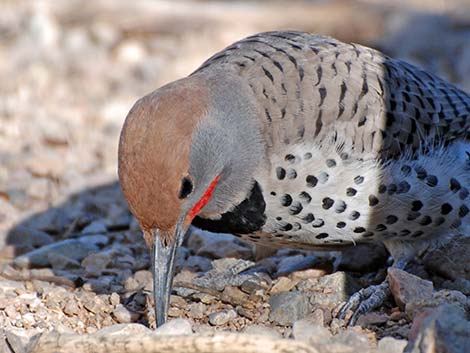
364, 301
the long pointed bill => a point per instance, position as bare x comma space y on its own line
163, 271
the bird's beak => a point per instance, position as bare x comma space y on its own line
164, 256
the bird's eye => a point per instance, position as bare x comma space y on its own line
186, 188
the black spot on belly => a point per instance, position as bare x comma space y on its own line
391, 219
381, 227
373, 200
280, 173
330, 163
416, 205
286, 200
404, 233
354, 215
311, 181
305, 196
327, 203
446, 208
290, 158
247, 217
322, 236
309, 217
431, 180
421, 172
406, 170
359, 179
454, 184
426, 220
287, 227
463, 211
403, 187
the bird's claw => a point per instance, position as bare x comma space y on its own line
364, 301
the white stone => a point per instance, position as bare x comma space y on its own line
391, 345
175, 327
123, 315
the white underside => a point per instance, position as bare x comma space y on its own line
443, 163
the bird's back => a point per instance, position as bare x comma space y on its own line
310, 87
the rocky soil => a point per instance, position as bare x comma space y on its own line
74, 267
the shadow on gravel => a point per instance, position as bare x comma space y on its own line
90, 221
103, 205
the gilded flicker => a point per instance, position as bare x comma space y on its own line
289, 139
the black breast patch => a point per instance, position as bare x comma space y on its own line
247, 217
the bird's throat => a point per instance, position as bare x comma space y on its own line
204, 199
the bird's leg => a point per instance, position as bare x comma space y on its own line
365, 300
368, 298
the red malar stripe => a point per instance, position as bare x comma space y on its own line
204, 199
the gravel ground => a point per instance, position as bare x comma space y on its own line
72, 257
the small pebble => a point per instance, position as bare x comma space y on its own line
71, 307
222, 317
288, 307
196, 310
124, 315
283, 284
114, 299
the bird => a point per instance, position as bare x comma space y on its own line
298, 140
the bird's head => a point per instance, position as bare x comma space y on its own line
189, 148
